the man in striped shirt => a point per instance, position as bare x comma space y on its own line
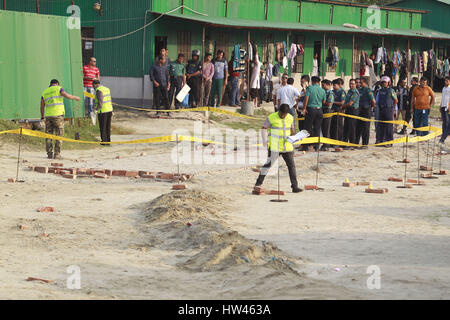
90, 73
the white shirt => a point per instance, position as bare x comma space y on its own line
254, 83
287, 95
445, 98
315, 67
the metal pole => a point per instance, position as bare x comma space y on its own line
432, 158
143, 58
318, 155
178, 160
278, 162
418, 162
428, 150
4, 4
323, 58
37, 6
406, 162
18, 155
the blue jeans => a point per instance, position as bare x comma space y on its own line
235, 91
445, 124
89, 102
421, 120
294, 114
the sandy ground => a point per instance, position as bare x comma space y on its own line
136, 239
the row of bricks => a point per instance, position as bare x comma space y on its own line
108, 172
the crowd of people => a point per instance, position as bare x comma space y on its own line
383, 101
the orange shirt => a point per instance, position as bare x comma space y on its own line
422, 96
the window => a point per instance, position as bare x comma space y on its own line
184, 44
357, 55
299, 59
331, 43
222, 43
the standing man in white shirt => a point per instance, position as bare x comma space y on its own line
291, 96
278, 86
445, 104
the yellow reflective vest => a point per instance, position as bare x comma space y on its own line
54, 101
279, 131
107, 102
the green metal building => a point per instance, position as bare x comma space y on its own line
208, 25
35, 49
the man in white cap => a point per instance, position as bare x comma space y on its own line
386, 101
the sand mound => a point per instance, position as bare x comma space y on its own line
184, 205
193, 222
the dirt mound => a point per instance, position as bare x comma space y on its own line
184, 205
193, 222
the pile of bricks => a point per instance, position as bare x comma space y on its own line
74, 173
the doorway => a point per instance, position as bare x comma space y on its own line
318, 52
160, 43
87, 45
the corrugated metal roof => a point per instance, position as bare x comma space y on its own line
263, 24
443, 1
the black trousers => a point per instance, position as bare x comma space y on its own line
104, 122
161, 97
195, 83
363, 127
350, 125
326, 125
288, 158
385, 131
337, 126
176, 84
313, 122
301, 123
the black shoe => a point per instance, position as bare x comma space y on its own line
296, 190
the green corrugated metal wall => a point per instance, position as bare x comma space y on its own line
437, 19
35, 49
281, 10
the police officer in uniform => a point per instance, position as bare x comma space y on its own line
104, 107
386, 100
366, 105
351, 107
53, 111
280, 126
337, 123
194, 78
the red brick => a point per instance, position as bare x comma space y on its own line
258, 191
22, 227
363, 183
83, 171
408, 186
38, 279
412, 181
64, 172
56, 164
131, 173
406, 161
443, 172
425, 168
94, 171
338, 149
276, 192
426, 175
117, 157
148, 176
43, 235
166, 176
178, 187
119, 173
70, 176
349, 184
100, 175
392, 179
310, 187
141, 173
46, 209
12, 180
41, 169
256, 170
378, 191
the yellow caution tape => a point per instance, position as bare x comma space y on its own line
434, 132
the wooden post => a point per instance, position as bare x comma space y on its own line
4, 4
287, 45
37, 6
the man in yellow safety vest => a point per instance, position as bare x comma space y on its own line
104, 107
52, 110
279, 125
